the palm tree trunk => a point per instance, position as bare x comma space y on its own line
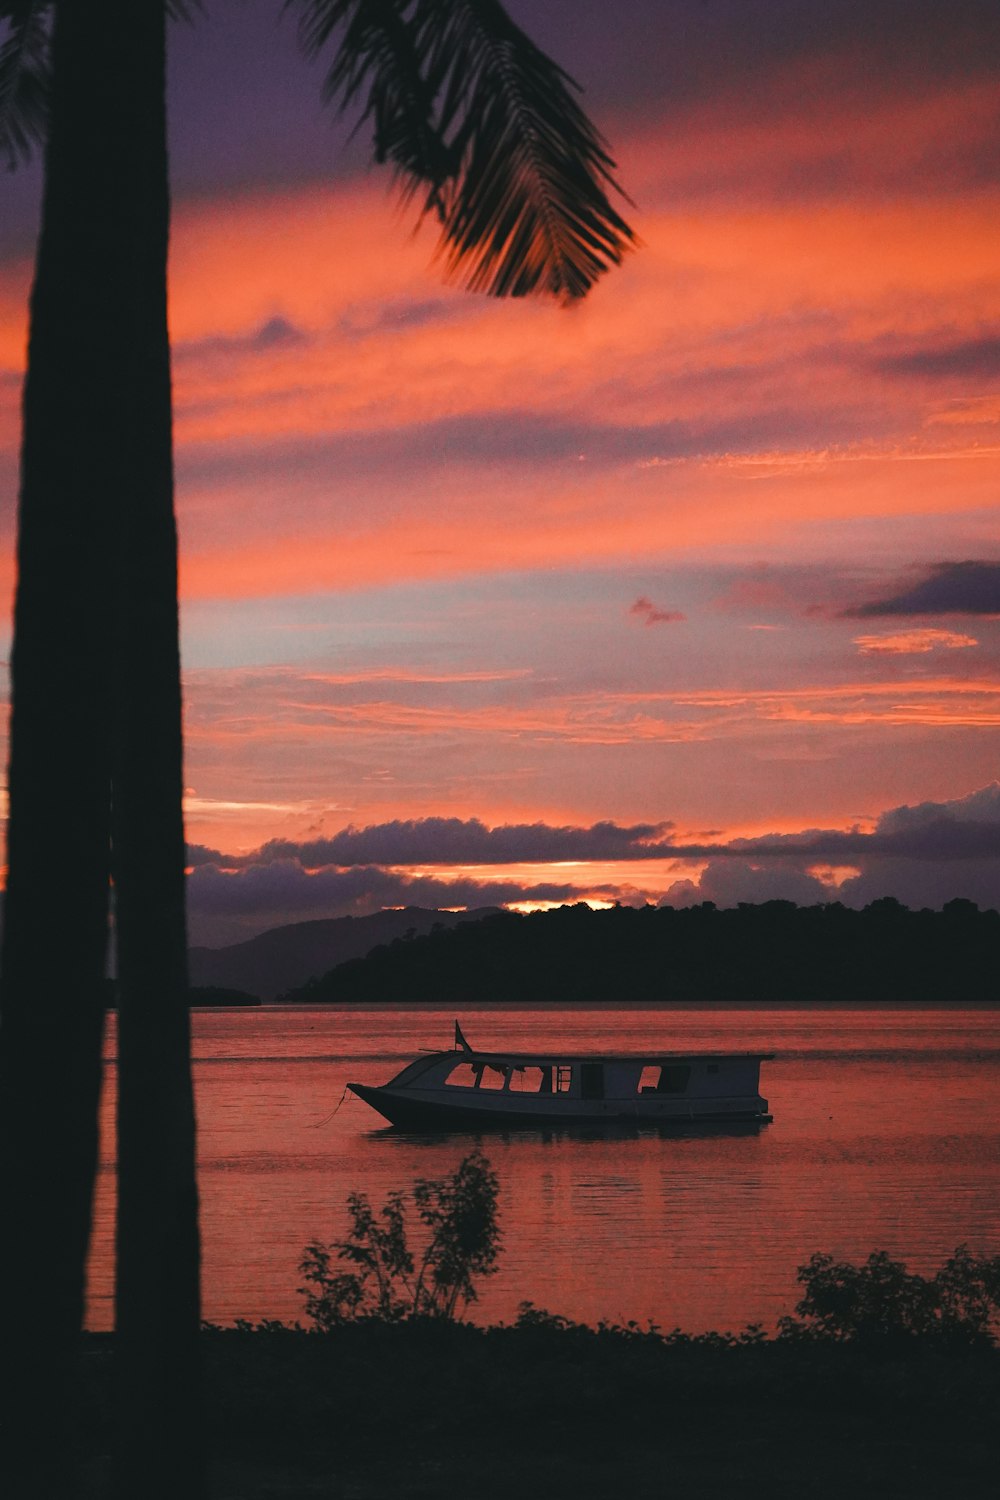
55, 928
95, 768
157, 1287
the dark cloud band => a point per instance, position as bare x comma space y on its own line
449, 841
978, 358
952, 588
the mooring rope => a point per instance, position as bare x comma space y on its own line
318, 1123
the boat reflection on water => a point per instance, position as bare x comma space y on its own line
465, 1089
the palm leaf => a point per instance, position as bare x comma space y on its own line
24, 78
375, 64
467, 106
528, 210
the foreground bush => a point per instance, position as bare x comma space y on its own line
880, 1302
388, 1281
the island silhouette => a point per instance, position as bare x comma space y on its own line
775, 952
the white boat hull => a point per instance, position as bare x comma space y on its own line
467, 1089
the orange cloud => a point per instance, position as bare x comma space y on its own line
324, 531
285, 733
732, 322
930, 702
413, 674
356, 368
810, 136
758, 382
718, 392
912, 642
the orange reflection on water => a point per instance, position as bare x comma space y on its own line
702, 1231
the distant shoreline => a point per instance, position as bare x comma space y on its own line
557, 1006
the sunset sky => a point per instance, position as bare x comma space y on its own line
691, 591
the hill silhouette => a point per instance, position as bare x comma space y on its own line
772, 952
284, 957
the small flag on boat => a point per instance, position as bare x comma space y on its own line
460, 1039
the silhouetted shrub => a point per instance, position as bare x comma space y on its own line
387, 1282
880, 1302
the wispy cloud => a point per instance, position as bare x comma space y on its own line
415, 675
313, 740
929, 701
912, 642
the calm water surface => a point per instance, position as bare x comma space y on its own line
886, 1134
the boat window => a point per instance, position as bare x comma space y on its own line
673, 1078
530, 1080
592, 1080
664, 1078
494, 1077
563, 1078
463, 1076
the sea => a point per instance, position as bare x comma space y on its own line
885, 1136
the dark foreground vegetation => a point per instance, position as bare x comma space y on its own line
774, 952
441, 1409
884, 1383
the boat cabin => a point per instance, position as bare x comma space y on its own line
538, 1087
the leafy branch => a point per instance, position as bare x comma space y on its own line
386, 1280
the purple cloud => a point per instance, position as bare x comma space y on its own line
924, 855
727, 882
650, 615
978, 357
275, 333
967, 828
446, 841
227, 906
516, 439
951, 588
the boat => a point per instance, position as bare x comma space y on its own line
463, 1088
